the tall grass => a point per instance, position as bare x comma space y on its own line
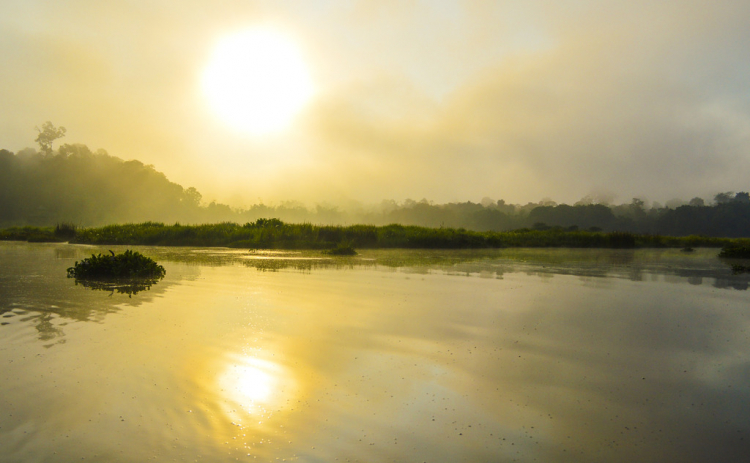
273, 233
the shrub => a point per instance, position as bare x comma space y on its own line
741, 251
344, 248
128, 265
65, 230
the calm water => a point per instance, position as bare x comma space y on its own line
523, 355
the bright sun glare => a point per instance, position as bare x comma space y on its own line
257, 81
250, 382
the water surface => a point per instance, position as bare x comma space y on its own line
445, 356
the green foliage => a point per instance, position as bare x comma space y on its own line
621, 240
126, 266
47, 135
273, 233
73, 184
30, 234
43, 238
65, 230
344, 248
76, 185
736, 250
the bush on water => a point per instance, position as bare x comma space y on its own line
128, 265
736, 250
344, 248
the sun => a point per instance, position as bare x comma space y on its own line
257, 81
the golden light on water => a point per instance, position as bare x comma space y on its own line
257, 81
252, 384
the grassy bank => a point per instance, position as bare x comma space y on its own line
274, 234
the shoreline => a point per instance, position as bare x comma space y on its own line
274, 234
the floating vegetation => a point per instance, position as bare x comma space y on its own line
126, 266
738, 269
736, 251
344, 248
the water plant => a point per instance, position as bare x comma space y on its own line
738, 269
343, 248
65, 230
126, 266
275, 234
736, 251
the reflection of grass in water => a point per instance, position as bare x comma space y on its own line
121, 287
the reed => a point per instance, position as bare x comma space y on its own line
275, 234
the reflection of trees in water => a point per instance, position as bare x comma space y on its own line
34, 288
66, 253
44, 323
47, 330
696, 268
736, 283
121, 287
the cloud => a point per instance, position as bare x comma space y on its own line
608, 106
444, 100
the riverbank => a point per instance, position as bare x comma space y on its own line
275, 234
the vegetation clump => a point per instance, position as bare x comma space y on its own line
344, 248
736, 251
275, 234
126, 266
65, 230
738, 269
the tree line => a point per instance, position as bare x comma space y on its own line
75, 185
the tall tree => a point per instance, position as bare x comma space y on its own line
47, 135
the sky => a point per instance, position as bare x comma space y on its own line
443, 100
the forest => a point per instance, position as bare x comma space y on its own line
77, 186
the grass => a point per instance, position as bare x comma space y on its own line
30, 234
275, 234
65, 230
126, 266
736, 251
57, 234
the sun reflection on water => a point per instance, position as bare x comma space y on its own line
252, 384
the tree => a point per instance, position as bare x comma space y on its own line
192, 196
47, 135
722, 198
697, 202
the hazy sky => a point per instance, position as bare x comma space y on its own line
444, 100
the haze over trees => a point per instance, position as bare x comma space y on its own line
75, 185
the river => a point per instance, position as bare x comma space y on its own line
409, 356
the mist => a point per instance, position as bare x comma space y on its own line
449, 101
